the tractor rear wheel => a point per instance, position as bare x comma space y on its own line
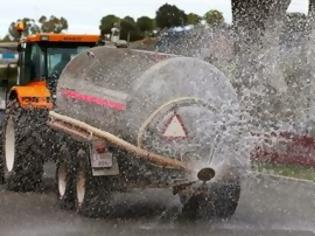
22, 157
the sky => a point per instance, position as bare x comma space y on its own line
84, 15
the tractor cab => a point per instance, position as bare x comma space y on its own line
42, 57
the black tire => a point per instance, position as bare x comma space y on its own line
2, 116
22, 155
226, 200
92, 193
65, 175
211, 201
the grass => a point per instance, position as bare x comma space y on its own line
295, 171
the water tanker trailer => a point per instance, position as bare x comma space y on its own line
145, 119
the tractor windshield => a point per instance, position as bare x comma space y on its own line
58, 57
46, 60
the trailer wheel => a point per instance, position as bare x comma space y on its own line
21, 157
92, 194
211, 201
226, 200
65, 175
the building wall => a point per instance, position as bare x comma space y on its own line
8, 56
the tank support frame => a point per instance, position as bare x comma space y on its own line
82, 131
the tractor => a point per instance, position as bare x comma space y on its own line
27, 142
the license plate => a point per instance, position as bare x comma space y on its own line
101, 160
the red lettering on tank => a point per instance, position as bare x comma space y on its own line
107, 103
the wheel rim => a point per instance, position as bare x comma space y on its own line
10, 145
80, 187
62, 179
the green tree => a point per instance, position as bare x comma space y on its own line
145, 24
53, 24
107, 23
214, 18
130, 19
129, 31
170, 16
193, 19
31, 27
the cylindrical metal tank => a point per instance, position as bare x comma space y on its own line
172, 105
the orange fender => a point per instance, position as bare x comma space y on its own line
35, 95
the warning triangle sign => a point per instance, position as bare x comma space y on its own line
175, 128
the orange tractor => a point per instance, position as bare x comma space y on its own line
27, 141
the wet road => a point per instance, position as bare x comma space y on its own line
268, 206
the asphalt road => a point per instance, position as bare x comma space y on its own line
268, 206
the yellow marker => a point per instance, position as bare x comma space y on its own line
20, 27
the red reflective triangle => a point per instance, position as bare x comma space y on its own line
175, 128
